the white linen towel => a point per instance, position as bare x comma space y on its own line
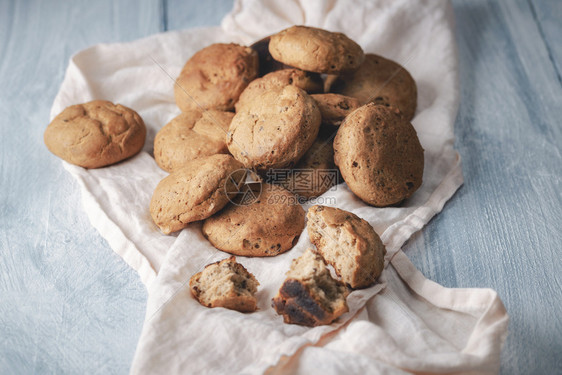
405, 323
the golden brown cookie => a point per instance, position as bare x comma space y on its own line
313, 175
95, 134
268, 226
316, 50
191, 135
348, 243
309, 82
309, 295
274, 130
215, 76
195, 192
381, 81
379, 155
225, 284
334, 107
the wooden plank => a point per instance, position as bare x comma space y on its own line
501, 230
68, 303
548, 15
182, 14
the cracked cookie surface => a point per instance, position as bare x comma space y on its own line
226, 284
334, 107
309, 82
95, 134
214, 77
268, 226
381, 81
191, 135
309, 296
274, 130
314, 173
195, 192
348, 243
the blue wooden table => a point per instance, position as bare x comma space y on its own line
68, 304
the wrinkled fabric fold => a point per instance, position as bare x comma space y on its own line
403, 324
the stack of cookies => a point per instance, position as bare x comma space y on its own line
297, 111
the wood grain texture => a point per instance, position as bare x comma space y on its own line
548, 15
68, 304
181, 14
502, 229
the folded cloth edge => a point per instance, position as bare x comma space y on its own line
398, 233
490, 330
112, 233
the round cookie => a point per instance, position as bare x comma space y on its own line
379, 155
380, 81
313, 175
195, 192
334, 107
269, 226
316, 50
309, 82
274, 130
215, 76
95, 134
191, 135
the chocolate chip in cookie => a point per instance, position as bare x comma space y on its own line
267, 226
380, 81
379, 155
274, 130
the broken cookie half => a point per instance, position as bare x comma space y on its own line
309, 295
225, 284
348, 243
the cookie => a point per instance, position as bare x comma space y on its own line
309, 295
274, 130
316, 50
334, 107
380, 81
225, 284
195, 192
267, 63
191, 135
268, 226
95, 134
215, 76
313, 175
348, 243
379, 155
309, 82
